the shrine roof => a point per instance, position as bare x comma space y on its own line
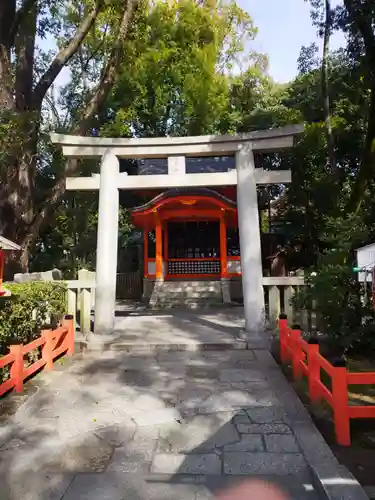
176, 193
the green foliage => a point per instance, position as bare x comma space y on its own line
24, 313
333, 290
176, 77
70, 243
188, 68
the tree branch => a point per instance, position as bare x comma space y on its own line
96, 51
104, 87
109, 74
65, 54
364, 26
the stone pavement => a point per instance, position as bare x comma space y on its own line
179, 327
159, 426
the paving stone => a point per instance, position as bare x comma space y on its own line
263, 463
225, 435
116, 435
231, 400
248, 442
157, 490
106, 486
202, 372
117, 486
230, 356
156, 417
273, 428
131, 460
244, 363
208, 463
135, 362
238, 375
137, 378
6, 433
71, 426
246, 386
135, 456
267, 415
90, 454
175, 357
200, 434
241, 419
147, 402
279, 443
191, 397
29, 457
12, 444
34, 486
172, 369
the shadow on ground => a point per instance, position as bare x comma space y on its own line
149, 425
178, 326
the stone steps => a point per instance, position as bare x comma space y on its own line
187, 293
138, 348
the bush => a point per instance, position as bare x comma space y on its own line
334, 293
335, 296
30, 306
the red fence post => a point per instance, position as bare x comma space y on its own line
295, 334
17, 368
341, 406
69, 323
313, 369
283, 330
47, 348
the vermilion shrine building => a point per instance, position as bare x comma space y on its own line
187, 233
201, 217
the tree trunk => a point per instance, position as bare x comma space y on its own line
367, 168
85, 121
325, 89
360, 24
7, 14
22, 101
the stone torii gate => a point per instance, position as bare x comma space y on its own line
176, 149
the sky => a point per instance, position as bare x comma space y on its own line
283, 27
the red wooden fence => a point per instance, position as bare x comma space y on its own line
306, 359
53, 343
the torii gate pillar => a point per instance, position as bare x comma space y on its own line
106, 251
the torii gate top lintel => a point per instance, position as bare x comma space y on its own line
176, 149
153, 147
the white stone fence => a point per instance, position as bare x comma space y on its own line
279, 292
81, 298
